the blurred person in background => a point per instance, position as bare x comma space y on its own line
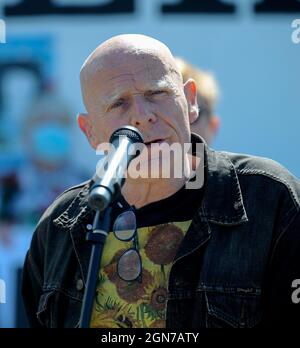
208, 123
47, 168
50, 166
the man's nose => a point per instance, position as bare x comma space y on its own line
141, 111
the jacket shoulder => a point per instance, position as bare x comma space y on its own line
62, 202
248, 165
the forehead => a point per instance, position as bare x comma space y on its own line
135, 62
122, 71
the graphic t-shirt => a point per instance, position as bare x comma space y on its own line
161, 227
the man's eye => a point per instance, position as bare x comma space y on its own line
158, 93
117, 104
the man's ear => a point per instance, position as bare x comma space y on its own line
85, 125
190, 91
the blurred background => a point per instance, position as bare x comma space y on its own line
249, 54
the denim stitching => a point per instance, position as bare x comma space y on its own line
274, 177
53, 288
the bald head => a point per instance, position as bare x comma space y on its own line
134, 80
115, 51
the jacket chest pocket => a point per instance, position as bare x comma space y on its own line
58, 309
239, 308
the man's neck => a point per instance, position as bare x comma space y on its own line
140, 192
143, 193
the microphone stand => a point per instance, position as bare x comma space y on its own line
97, 237
100, 198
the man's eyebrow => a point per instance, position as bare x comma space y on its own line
112, 98
162, 84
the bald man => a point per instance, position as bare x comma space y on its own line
224, 254
134, 80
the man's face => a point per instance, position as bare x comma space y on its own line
138, 90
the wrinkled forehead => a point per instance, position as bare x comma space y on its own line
116, 72
139, 66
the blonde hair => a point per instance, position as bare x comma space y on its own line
207, 86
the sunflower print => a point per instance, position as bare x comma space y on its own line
163, 243
134, 304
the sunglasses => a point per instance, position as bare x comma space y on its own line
129, 264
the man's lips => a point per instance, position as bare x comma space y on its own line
155, 141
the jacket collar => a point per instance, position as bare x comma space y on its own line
78, 211
222, 200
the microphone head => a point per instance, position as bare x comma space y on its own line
99, 198
130, 132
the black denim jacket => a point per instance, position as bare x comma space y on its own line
234, 268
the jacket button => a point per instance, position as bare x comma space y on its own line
89, 227
79, 284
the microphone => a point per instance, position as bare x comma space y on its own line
105, 188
